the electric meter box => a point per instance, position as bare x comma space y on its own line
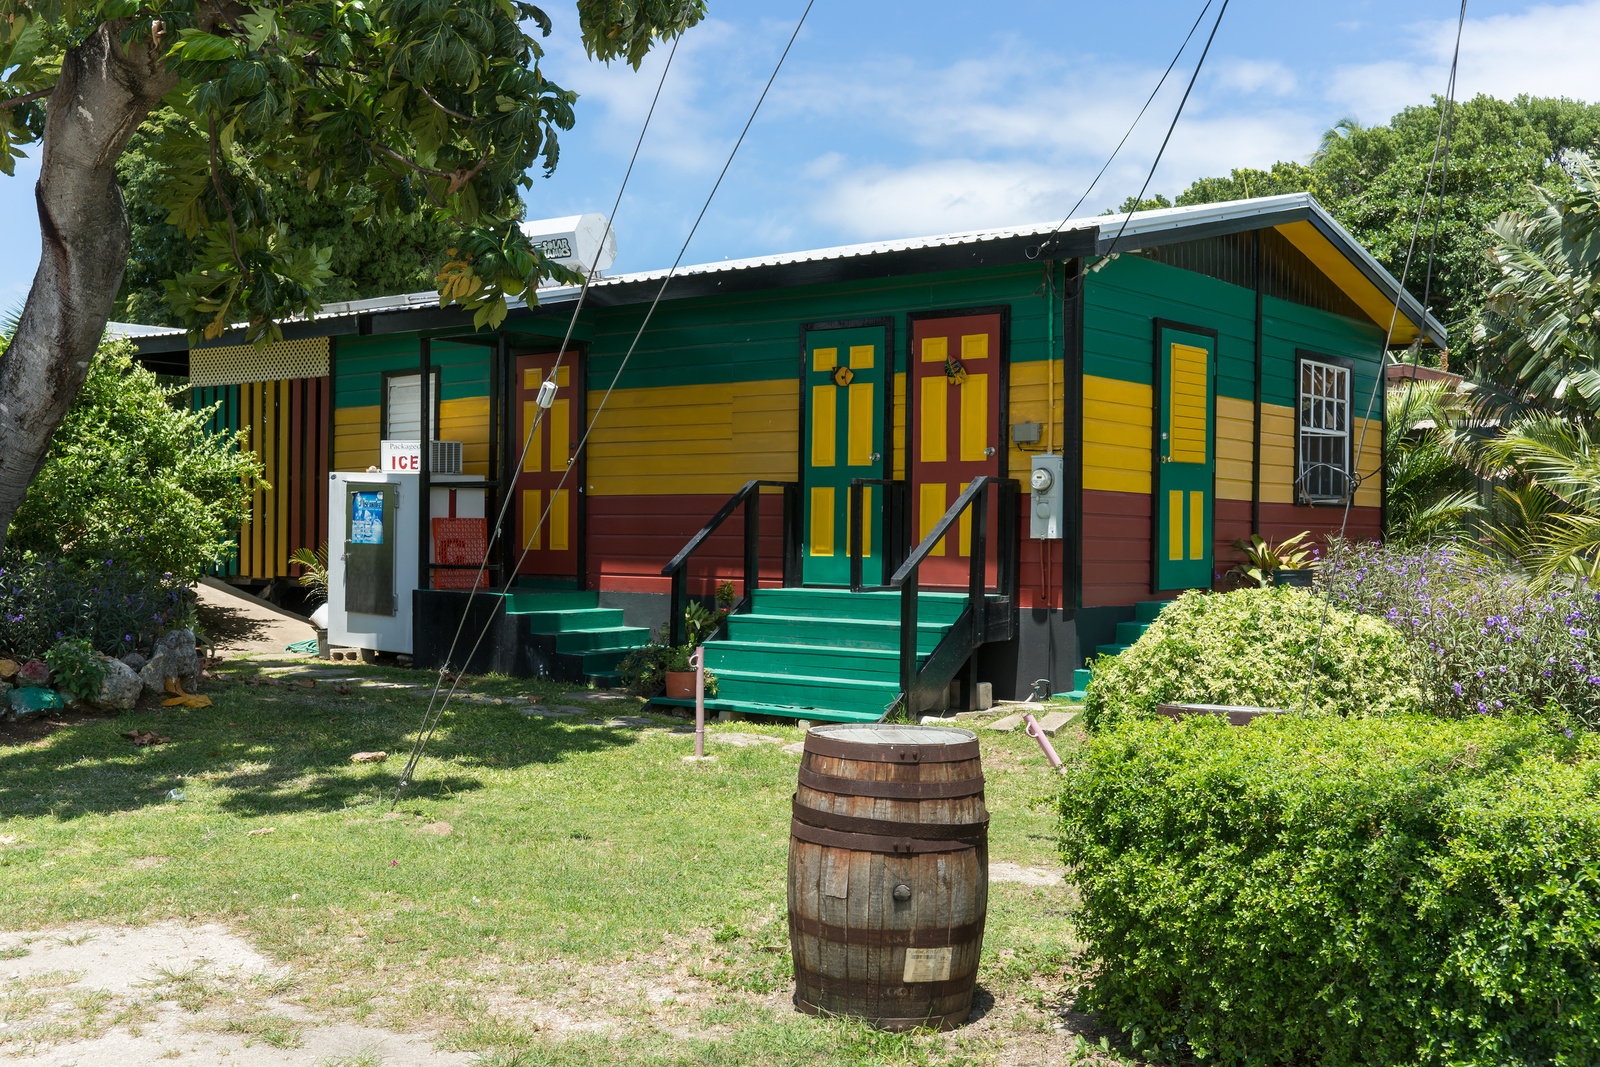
372, 559
1046, 515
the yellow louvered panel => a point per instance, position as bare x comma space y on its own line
1187, 398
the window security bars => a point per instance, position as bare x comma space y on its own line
1323, 474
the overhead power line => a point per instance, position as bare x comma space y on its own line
431, 721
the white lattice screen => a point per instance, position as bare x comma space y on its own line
306, 357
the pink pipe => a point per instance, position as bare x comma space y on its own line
698, 658
1038, 734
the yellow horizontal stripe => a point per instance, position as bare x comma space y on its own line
1235, 447
1116, 435
700, 439
1030, 402
467, 420
355, 438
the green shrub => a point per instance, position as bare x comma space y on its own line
133, 476
76, 668
1253, 647
1333, 891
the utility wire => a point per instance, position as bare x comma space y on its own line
1173, 126
426, 730
1044, 246
430, 726
1441, 144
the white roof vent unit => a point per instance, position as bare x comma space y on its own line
583, 243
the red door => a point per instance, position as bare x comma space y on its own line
547, 496
956, 382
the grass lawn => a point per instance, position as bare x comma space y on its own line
549, 891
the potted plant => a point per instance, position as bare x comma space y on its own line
1286, 563
678, 671
314, 576
645, 671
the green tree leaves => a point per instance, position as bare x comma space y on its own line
426, 112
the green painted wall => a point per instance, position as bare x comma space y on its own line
756, 336
1122, 300
359, 364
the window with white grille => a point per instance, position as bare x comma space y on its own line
402, 406
1323, 432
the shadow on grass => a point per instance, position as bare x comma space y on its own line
271, 752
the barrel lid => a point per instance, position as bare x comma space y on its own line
880, 734
877, 743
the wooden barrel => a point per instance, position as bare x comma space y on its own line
888, 874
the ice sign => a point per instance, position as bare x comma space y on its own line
366, 519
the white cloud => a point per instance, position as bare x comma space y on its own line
1547, 50
1256, 76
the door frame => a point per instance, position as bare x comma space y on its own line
1002, 450
511, 442
891, 361
1157, 385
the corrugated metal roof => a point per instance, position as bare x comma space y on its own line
1170, 224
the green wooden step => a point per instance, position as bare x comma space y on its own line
607, 679
1129, 632
550, 622
1081, 679
813, 660
519, 603
803, 691
598, 640
936, 607
1147, 610
847, 633
604, 659
748, 707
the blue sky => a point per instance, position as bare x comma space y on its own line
897, 119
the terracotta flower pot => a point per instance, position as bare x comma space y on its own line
680, 685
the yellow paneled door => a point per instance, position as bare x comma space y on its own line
844, 402
956, 381
546, 506
1186, 459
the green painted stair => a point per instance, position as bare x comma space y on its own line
823, 654
1144, 613
584, 631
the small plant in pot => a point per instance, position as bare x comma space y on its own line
645, 671
1289, 562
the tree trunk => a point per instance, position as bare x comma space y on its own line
105, 90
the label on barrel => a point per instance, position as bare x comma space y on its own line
927, 964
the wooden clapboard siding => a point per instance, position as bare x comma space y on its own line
1278, 458
1030, 401
1235, 443
466, 419
693, 439
1116, 548
355, 437
1117, 418
632, 537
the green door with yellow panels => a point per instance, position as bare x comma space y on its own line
1186, 460
845, 399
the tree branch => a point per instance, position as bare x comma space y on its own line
457, 178
455, 114
25, 97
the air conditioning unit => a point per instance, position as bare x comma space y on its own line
444, 457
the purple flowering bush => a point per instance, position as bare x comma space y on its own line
116, 609
1483, 639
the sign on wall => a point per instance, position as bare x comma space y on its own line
400, 457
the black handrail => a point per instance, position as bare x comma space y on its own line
896, 528
750, 497
905, 577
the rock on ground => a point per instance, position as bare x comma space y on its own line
175, 658
120, 687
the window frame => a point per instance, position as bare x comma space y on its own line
383, 400
1304, 434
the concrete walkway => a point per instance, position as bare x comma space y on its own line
241, 624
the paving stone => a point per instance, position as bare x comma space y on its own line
744, 740
1003, 871
630, 720
1007, 724
1054, 721
548, 712
797, 748
601, 695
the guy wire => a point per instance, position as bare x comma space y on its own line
1440, 139
429, 726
